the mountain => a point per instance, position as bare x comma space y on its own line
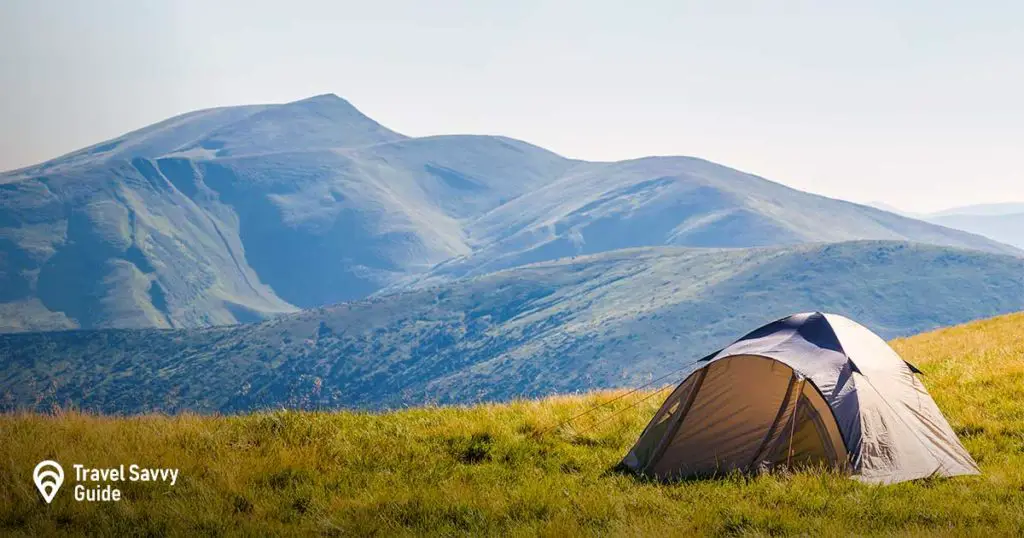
323, 121
238, 214
1007, 229
606, 320
598, 207
1002, 222
1006, 208
877, 204
999, 222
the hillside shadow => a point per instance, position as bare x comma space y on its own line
620, 469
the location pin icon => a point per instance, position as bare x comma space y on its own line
48, 476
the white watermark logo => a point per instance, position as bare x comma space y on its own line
98, 484
48, 476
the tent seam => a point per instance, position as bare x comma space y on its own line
778, 416
674, 428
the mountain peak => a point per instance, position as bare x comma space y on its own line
322, 98
320, 121
317, 122
327, 104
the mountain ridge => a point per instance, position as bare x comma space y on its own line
218, 118
238, 214
606, 320
995, 209
748, 195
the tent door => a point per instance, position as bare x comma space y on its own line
805, 440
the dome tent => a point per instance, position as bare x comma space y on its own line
809, 389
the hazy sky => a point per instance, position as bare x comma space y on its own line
918, 105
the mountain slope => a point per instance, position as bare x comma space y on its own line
608, 320
326, 226
237, 214
119, 247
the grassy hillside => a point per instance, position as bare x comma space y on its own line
495, 470
610, 320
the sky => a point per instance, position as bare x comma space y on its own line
917, 105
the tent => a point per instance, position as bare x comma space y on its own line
811, 389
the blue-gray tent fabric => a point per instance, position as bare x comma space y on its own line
866, 385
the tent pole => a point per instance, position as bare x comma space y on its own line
792, 425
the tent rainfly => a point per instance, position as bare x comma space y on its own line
811, 389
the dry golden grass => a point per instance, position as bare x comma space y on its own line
485, 470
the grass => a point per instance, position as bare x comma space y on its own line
488, 470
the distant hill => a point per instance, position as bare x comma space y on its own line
242, 213
1006, 228
607, 320
1006, 208
1002, 222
